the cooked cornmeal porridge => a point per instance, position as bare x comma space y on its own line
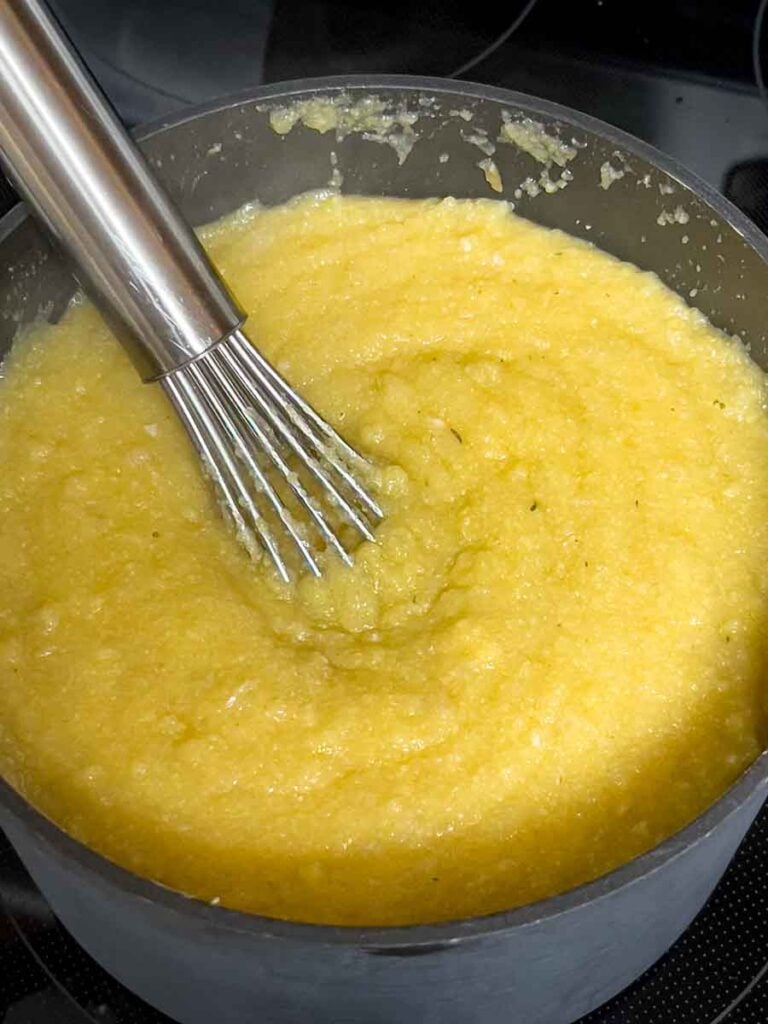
553, 657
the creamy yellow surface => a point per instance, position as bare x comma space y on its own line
554, 656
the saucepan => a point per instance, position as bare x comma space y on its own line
553, 961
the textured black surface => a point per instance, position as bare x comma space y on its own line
716, 974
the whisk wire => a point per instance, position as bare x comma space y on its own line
220, 465
268, 443
301, 415
263, 368
200, 371
311, 462
237, 408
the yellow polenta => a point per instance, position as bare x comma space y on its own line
553, 658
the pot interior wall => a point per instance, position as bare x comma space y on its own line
221, 159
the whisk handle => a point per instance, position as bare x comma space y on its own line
79, 169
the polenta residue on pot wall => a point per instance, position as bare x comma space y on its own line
553, 658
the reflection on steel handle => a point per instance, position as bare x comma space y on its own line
73, 160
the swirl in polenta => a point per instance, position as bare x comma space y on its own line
553, 656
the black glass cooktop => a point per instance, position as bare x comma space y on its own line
681, 74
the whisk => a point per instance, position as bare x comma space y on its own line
289, 484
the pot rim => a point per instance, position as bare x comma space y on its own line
84, 860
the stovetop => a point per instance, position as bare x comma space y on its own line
680, 74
